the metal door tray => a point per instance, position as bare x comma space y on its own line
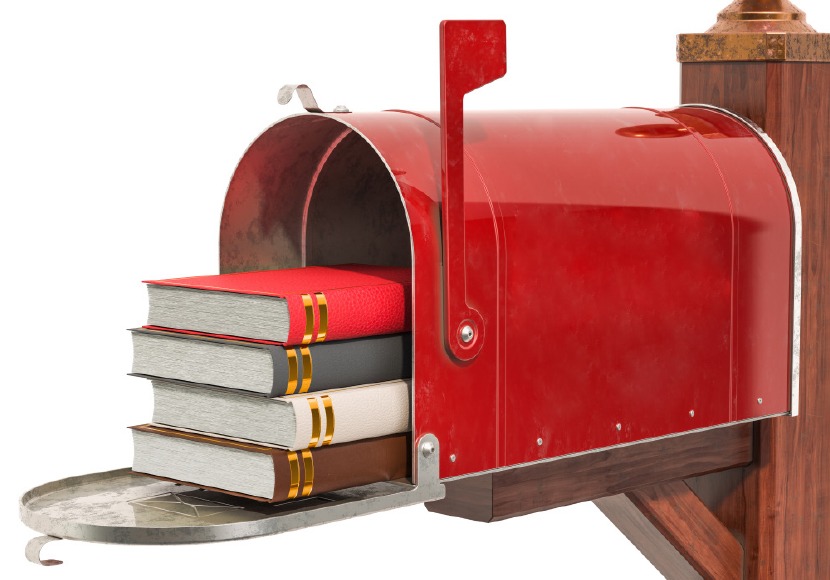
120, 507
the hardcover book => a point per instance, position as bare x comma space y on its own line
265, 473
268, 368
293, 422
292, 306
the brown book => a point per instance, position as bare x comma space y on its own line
265, 473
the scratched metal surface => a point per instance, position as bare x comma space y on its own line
124, 508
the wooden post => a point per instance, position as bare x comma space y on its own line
762, 60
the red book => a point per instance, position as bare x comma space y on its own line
293, 306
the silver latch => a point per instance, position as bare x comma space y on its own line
306, 97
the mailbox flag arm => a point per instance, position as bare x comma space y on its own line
473, 54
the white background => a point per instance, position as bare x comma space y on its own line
120, 126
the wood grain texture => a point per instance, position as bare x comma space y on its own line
739, 87
646, 537
795, 454
470, 498
570, 480
588, 477
786, 493
724, 497
680, 517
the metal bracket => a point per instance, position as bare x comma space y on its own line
306, 97
34, 547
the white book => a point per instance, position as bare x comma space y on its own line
291, 422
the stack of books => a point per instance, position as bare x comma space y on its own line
277, 384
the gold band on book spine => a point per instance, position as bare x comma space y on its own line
323, 307
329, 408
294, 469
293, 371
316, 422
306, 354
309, 319
308, 467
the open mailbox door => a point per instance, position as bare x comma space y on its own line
581, 280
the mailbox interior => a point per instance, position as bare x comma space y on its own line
316, 193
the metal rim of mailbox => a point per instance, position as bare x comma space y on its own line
340, 119
795, 204
349, 127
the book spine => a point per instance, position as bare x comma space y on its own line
324, 366
345, 313
346, 415
311, 472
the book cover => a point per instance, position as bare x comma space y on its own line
322, 303
265, 473
293, 422
270, 369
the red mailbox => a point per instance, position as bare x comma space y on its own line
603, 277
581, 280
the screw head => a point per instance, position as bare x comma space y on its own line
692, 413
452, 457
760, 400
427, 449
539, 441
619, 426
467, 333
341, 109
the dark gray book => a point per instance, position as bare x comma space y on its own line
272, 370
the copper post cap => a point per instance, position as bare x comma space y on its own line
747, 16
